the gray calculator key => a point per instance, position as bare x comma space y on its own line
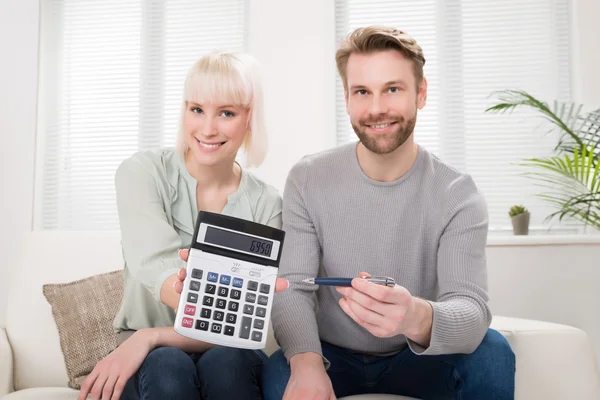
233, 306
257, 336
231, 318
236, 294
263, 300
250, 297
248, 309
246, 325
221, 303
229, 330
205, 313
207, 301
210, 289
223, 291
216, 328
264, 288
196, 273
259, 323
202, 325
261, 312
252, 285
219, 315
194, 285
192, 298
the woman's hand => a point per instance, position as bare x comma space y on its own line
280, 285
110, 375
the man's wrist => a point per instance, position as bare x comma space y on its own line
421, 323
308, 358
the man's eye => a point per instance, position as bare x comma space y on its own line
361, 92
394, 90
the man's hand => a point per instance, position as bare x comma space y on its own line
309, 380
280, 285
387, 311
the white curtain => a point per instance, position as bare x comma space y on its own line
111, 80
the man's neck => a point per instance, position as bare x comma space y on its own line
387, 167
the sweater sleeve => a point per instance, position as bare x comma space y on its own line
293, 314
461, 315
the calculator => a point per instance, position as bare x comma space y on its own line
228, 290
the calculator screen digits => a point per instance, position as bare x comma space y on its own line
238, 241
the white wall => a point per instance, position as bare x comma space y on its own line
297, 58
19, 20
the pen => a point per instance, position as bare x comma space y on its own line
378, 280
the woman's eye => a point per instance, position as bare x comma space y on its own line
228, 114
196, 110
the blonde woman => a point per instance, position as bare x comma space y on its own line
159, 194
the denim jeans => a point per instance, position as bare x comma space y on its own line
487, 373
219, 373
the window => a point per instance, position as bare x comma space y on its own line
111, 80
473, 48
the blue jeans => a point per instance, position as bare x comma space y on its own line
219, 373
487, 373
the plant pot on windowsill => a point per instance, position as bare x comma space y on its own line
519, 217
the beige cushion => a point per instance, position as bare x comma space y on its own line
84, 311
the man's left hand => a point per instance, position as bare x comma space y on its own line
384, 311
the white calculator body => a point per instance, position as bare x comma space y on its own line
228, 291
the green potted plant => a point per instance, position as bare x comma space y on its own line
571, 176
519, 217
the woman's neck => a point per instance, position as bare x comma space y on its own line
213, 177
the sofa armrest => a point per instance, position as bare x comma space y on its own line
553, 361
6, 364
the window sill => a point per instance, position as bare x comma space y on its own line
542, 240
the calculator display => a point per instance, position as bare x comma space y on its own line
238, 241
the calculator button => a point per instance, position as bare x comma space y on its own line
223, 291
219, 315
202, 325
259, 324
250, 297
246, 324
187, 322
205, 313
208, 301
225, 280
248, 309
216, 328
257, 336
261, 312
189, 310
221, 303
238, 282
210, 289
233, 306
264, 288
192, 298
212, 277
252, 285
255, 274
263, 300
229, 330
196, 273
231, 318
194, 285
236, 294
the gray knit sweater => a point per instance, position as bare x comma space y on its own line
427, 230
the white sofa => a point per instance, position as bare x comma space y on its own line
553, 361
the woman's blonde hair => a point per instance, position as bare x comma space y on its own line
229, 78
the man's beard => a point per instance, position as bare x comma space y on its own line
384, 144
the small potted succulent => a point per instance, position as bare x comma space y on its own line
519, 216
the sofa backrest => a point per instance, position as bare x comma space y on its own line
54, 257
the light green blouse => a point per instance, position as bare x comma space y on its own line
156, 202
